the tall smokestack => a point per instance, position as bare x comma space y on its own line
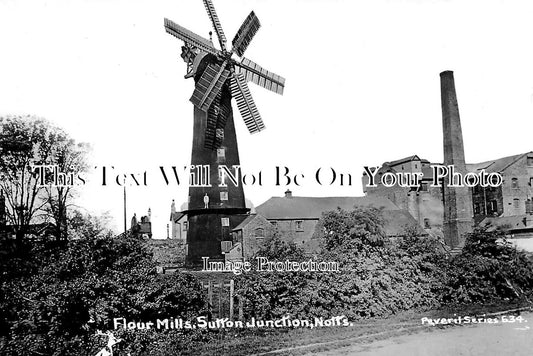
457, 200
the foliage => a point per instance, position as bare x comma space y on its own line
488, 269
81, 225
50, 290
271, 294
353, 230
25, 142
46, 306
377, 277
381, 276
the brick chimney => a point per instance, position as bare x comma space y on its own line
288, 194
457, 200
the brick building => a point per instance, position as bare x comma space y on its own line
424, 203
248, 237
296, 220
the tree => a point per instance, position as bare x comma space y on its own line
27, 142
68, 156
54, 298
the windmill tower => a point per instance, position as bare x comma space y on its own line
213, 211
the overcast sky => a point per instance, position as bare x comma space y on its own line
362, 85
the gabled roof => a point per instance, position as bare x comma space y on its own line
396, 219
403, 160
245, 222
312, 207
389, 166
497, 165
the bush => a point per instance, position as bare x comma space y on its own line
489, 269
378, 277
47, 302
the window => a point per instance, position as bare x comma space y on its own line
223, 196
185, 226
225, 246
426, 224
259, 232
516, 203
221, 153
529, 206
225, 221
492, 207
299, 225
530, 161
514, 183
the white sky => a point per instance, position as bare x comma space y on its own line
362, 85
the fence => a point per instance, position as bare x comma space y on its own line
221, 299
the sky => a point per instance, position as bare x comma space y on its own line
362, 86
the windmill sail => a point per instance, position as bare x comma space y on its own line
255, 73
189, 37
209, 85
216, 23
217, 67
244, 36
245, 103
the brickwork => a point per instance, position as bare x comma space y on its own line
253, 234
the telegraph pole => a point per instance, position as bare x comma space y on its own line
125, 226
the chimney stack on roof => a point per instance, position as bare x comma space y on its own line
288, 194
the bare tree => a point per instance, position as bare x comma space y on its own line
27, 142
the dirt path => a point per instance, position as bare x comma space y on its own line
472, 340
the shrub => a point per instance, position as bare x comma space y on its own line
47, 304
489, 269
378, 277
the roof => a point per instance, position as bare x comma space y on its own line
403, 160
389, 166
397, 220
497, 165
511, 223
245, 222
176, 216
313, 207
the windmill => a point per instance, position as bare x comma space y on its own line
219, 77
221, 67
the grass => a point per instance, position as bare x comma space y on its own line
300, 341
